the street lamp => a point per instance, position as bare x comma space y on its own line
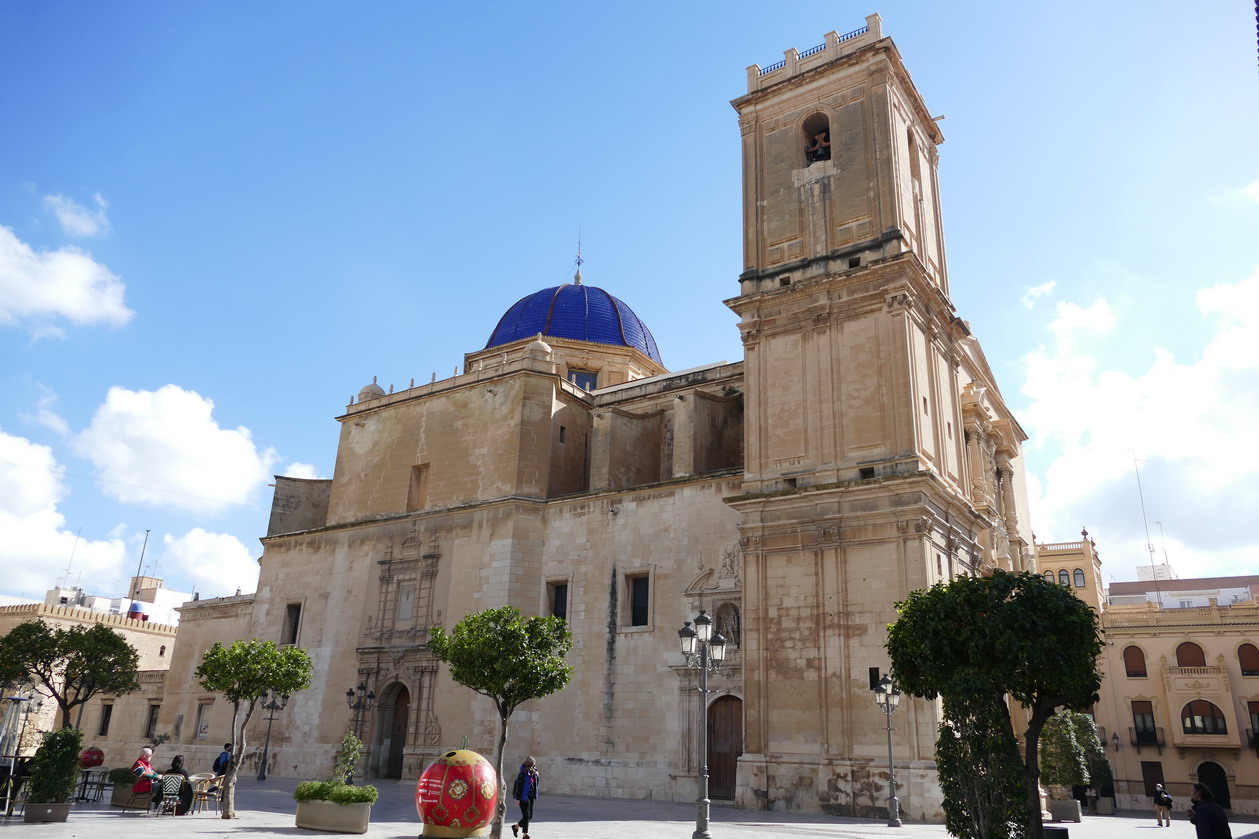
276, 703
360, 701
705, 651
887, 697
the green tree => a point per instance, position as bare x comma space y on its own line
69, 666
242, 673
975, 640
1063, 760
509, 658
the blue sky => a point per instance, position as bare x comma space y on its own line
219, 221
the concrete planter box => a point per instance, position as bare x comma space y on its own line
1064, 811
36, 813
120, 796
1105, 807
334, 818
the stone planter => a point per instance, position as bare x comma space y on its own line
1105, 806
334, 818
1064, 811
120, 796
36, 813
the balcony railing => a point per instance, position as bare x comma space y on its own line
1147, 737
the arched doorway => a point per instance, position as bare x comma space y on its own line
1211, 775
395, 713
725, 744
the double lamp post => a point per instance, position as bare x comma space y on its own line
705, 651
276, 702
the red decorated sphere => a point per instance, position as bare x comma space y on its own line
457, 795
91, 757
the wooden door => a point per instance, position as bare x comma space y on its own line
398, 732
1211, 775
725, 744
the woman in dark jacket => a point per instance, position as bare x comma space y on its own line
185, 789
525, 791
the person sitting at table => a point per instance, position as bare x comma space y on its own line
185, 789
143, 770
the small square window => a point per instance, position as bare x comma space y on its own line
854, 262
865, 473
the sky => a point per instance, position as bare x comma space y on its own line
218, 221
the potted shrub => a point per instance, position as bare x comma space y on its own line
123, 780
333, 805
54, 772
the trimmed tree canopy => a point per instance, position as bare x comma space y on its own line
975, 640
242, 673
69, 666
509, 658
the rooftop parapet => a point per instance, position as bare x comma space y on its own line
795, 62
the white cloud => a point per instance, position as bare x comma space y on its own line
1035, 292
1251, 191
165, 448
77, 220
37, 545
301, 470
1184, 422
65, 283
44, 413
214, 564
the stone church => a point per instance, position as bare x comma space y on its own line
858, 451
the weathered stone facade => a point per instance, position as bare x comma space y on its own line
859, 451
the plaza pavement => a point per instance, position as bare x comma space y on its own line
266, 810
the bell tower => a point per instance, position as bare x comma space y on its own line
879, 455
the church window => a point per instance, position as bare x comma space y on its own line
783, 282
1248, 658
1134, 662
292, 623
638, 588
557, 594
1079, 577
854, 262
924, 405
563, 434
865, 473
150, 725
417, 492
584, 379
875, 677
406, 604
1190, 654
107, 714
161, 652
203, 721
817, 139
1064, 579
1202, 717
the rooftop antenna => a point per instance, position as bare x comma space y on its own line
579, 260
139, 566
66, 578
1163, 538
1149, 545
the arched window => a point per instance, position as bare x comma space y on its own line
1079, 577
1134, 662
1049, 576
1202, 717
162, 651
817, 139
1064, 579
1248, 657
1190, 654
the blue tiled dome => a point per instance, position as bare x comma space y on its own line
578, 312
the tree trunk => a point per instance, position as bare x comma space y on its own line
238, 753
1031, 769
496, 830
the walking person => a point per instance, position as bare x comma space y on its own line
1207, 817
1162, 806
525, 791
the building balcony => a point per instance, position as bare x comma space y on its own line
1147, 737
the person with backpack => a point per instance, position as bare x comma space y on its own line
1162, 806
525, 792
223, 760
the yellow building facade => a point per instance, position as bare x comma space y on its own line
1180, 698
